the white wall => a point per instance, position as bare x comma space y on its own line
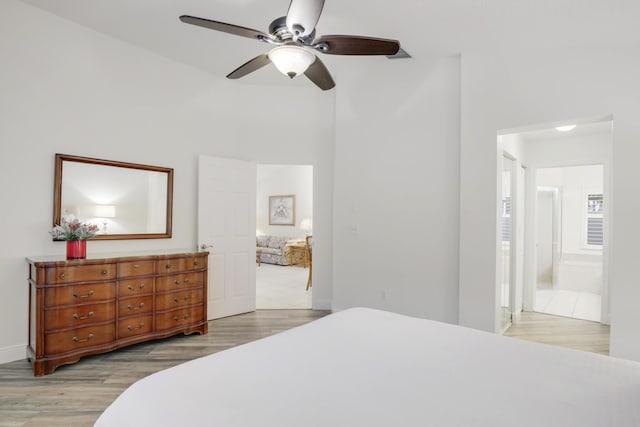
569, 150
507, 90
396, 187
67, 89
279, 180
515, 146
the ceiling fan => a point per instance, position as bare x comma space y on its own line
295, 44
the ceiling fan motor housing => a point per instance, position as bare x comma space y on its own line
278, 29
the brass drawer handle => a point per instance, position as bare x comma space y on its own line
136, 266
140, 326
186, 280
168, 266
76, 339
196, 263
89, 294
177, 282
62, 275
140, 286
179, 319
181, 299
103, 272
141, 305
78, 317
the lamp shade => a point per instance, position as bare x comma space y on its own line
291, 60
105, 211
306, 225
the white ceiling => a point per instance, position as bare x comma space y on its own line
582, 129
424, 28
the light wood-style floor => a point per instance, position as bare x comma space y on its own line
75, 395
562, 331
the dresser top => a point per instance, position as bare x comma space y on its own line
105, 257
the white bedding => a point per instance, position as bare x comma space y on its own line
363, 367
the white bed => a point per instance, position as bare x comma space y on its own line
363, 367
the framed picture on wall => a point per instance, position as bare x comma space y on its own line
282, 210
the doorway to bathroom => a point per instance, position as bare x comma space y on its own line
569, 241
553, 242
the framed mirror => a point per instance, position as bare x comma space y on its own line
125, 200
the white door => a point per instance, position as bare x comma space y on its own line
556, 246
227, 228
506, 294
544, 246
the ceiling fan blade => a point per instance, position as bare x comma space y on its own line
225, 28
356, 45
303, 16
249, 66
319, 75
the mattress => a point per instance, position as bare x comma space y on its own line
364, 367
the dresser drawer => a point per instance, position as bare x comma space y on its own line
79, 294
179, 281
177, 318
133, 269
80, 273
82, 315
135, 306
131, 287
178, 299
135, 326
168, 266
76, 339
177, 265
198, 262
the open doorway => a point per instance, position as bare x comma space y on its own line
559, 243
569, 222
284, 221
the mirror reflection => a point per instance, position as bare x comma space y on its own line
127, 201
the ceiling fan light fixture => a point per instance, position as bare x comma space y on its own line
291, 60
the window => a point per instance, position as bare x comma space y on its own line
595, 221
506, 219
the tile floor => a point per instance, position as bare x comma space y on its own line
579, 305
282, 287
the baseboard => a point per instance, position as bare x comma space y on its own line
321, 304
504, 329
12, 353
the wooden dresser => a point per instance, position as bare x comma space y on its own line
99, 304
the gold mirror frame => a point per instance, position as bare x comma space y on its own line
58, 185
